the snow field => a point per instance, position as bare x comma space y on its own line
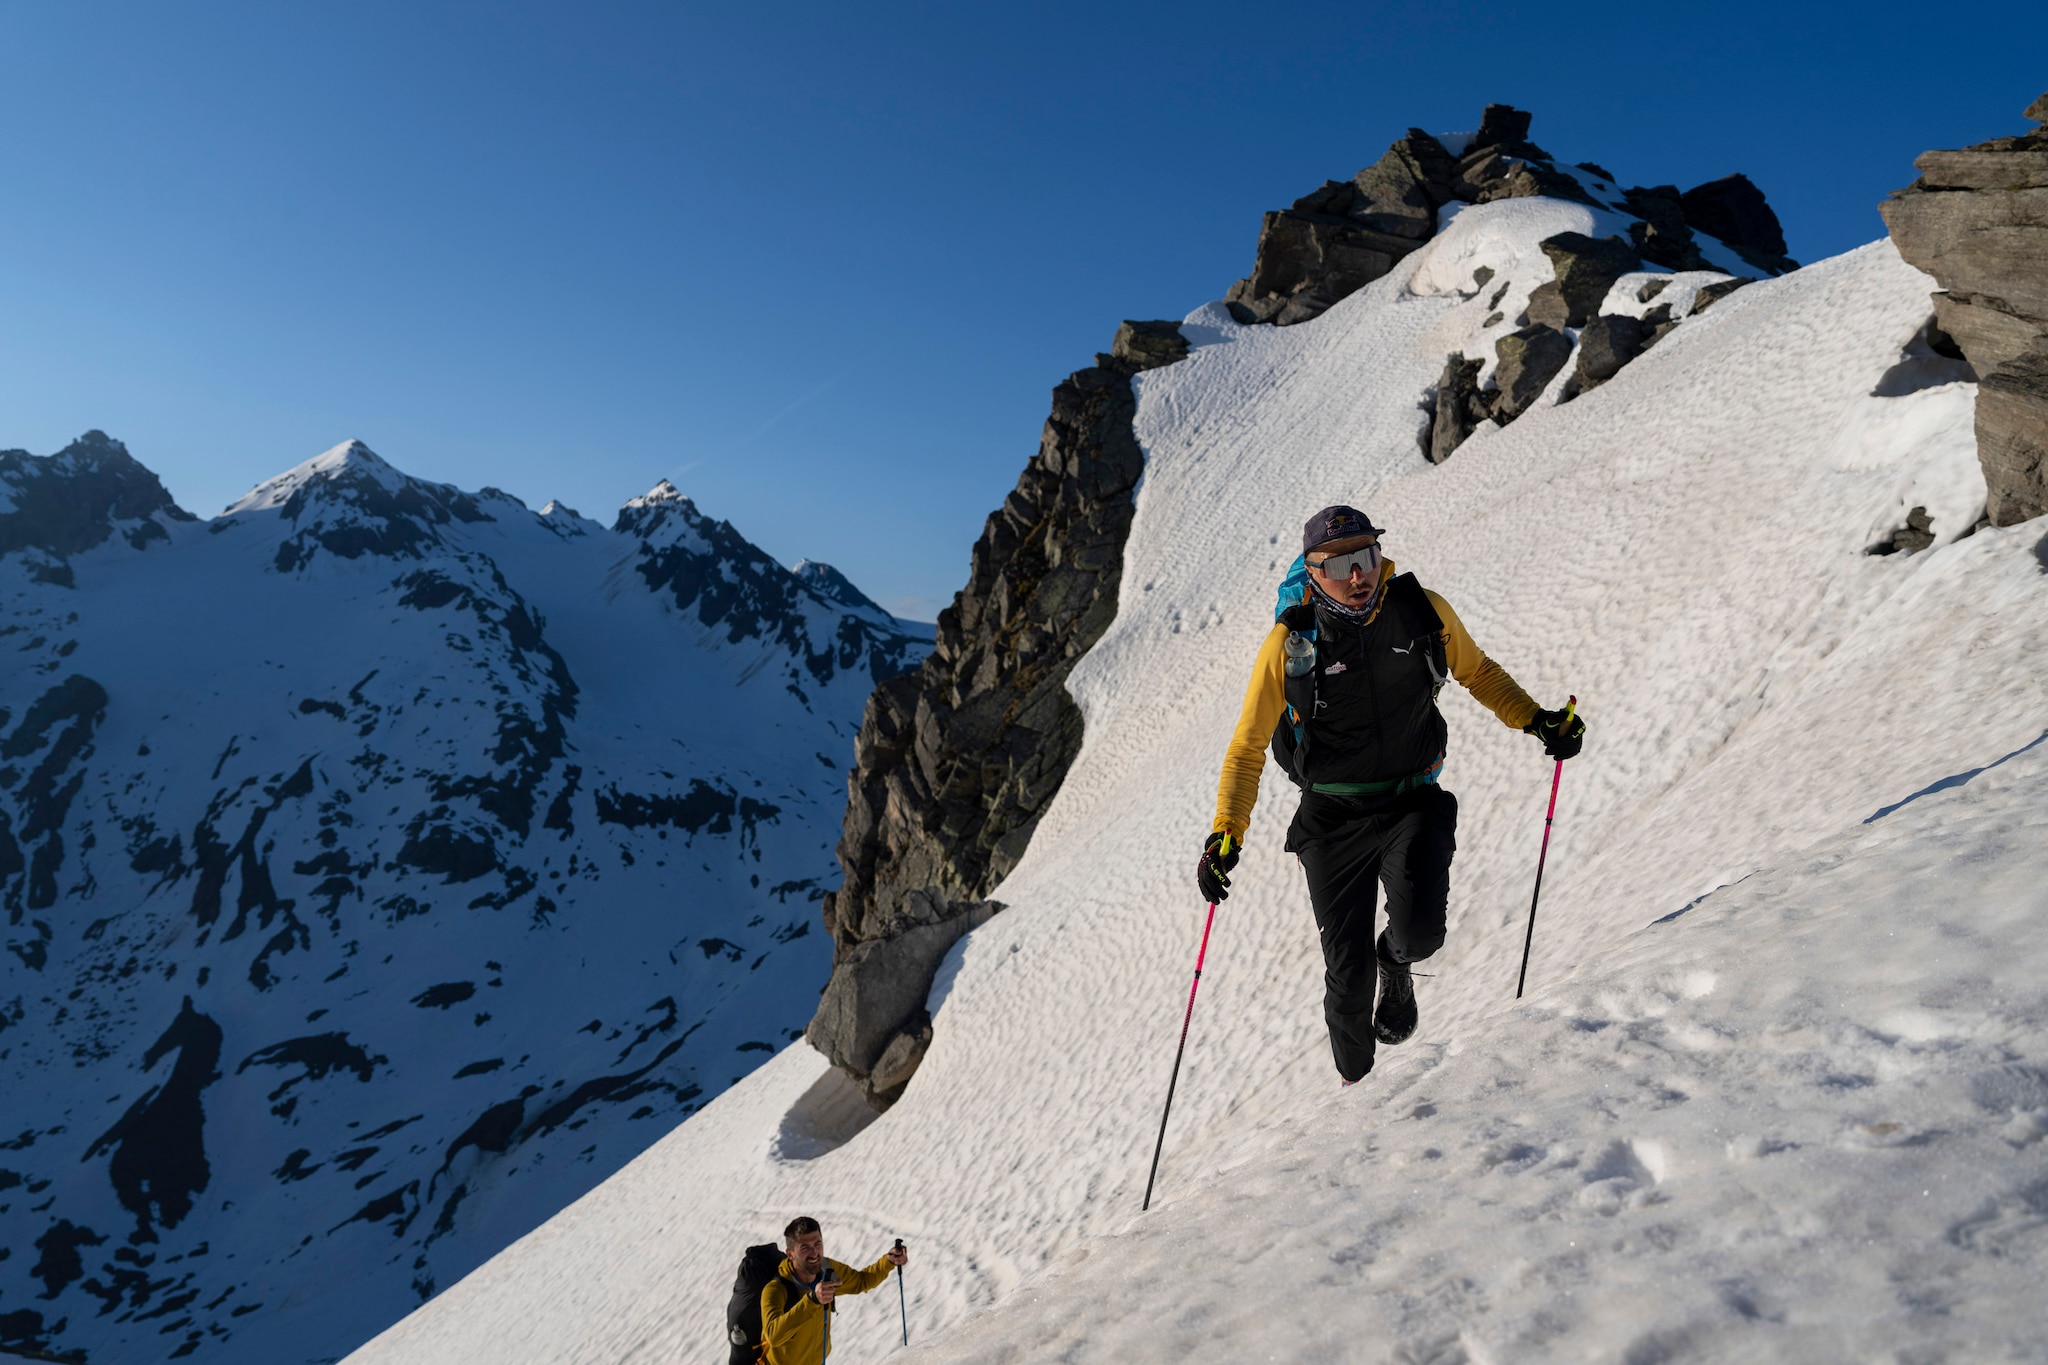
1705, 1138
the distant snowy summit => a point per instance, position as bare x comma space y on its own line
383, 865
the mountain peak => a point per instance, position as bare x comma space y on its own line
349, 501
663, 513
351, 457
834, 586
662, 492
67, 503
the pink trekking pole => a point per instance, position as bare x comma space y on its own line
1185, 1021
1556, 777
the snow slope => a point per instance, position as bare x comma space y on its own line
383, 865
1778, 1086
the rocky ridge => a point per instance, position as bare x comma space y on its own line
1977, 221
955, 761
1343, 236
1337, 239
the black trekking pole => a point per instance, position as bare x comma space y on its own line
901, 1302
1175, 1080
1556, 777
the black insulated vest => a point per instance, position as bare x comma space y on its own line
1367, 713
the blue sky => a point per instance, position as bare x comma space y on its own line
820, 265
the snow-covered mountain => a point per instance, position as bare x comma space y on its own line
1778, 1088
384, 865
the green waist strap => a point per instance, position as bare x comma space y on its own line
1392, 786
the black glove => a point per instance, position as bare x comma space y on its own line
1212, 874
1562, 739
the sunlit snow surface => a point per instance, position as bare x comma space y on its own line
1778, 1088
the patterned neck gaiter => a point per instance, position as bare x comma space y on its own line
1348, 613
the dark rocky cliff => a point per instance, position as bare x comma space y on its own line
1977, 220
956, 761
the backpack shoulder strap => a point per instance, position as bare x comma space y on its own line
1419, 615
1405, 592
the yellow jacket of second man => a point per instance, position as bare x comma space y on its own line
793, 1328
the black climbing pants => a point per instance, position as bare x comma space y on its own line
1350, 846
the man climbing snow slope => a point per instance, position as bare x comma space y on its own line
796, 1306
1345, 691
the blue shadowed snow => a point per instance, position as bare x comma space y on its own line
1956, 780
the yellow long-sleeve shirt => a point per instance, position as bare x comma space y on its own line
1265, 697
793, 1326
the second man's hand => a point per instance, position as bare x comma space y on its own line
897, 1255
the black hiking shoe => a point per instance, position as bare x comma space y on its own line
1395, 1018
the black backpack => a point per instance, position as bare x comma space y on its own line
743, 1314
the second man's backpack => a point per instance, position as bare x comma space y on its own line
743, 1314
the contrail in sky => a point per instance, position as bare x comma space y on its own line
758, 432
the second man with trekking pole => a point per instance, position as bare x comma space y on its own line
1344, 691
796, 1305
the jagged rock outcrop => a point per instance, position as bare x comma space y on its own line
2012, 436
1734, 210
1609, 342
1663, 236
1529, 360
956, 761
1339, 238
1460, 407
1586, 269
1977, 220
1711, 294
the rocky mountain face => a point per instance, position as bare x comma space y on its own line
383, 864
956, 760
1977, 220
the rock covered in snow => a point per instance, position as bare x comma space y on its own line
1977, 220
1585, 270
1337, 239
1529, 360
1711, 294
1608, 342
